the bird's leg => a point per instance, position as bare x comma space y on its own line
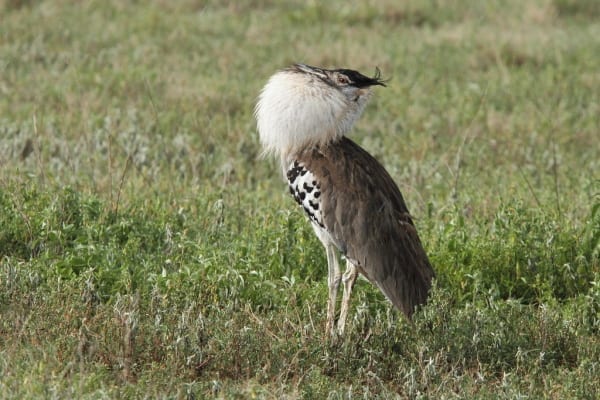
333, 281
349, 279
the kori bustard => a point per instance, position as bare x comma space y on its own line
303, 115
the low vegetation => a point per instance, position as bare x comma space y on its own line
146, 251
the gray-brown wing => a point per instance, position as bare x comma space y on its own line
365, 213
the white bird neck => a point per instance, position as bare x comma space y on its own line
297, 111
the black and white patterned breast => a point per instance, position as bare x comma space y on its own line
306, 191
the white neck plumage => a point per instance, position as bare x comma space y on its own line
298, 111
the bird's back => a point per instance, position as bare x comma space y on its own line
364, 212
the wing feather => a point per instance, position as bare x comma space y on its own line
364, 211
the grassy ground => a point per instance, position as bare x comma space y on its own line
146, 252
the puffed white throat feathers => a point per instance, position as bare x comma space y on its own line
297, 111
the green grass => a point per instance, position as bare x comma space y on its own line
147, 252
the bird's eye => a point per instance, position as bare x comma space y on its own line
342, 80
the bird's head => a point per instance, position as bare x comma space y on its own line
301, 107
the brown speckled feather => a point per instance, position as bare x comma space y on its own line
365, 214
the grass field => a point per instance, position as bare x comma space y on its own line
146, 251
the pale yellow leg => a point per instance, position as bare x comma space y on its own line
349, 279
333, 281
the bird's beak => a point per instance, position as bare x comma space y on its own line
358, 80
309, 69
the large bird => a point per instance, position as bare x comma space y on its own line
303, 115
